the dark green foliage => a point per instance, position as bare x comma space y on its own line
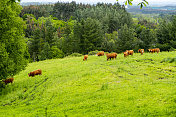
166, 34
147, 38
37, 10
111, 17
126, 38
43, 41
56, 52
64, 11
91, 35
45, 53
13, 50
109, 43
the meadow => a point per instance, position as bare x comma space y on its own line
137, 86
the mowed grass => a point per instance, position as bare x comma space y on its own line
139, 85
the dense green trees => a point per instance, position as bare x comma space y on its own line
166, 35
13, 50
127, 38
43, 38
81, 28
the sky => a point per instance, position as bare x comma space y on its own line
160, 2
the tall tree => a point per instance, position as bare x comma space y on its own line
164, 35
127, 38
13, 49
91, 36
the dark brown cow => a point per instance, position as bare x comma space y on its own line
8, 80
36, 72
85, 57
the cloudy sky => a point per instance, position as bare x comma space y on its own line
106, 1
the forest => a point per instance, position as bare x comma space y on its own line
61, 29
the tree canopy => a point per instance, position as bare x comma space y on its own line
13, 50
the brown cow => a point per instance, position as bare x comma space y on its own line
125, 53
85, 57
157, 50
154, 50
130, 52
141, 51
115, 55
111, 55
36, 72
151, 50
100, 53
8, 80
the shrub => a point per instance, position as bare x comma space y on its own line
75, 55
56, 52
93, 52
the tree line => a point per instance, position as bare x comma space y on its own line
70, 27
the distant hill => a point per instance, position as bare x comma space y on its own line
152, 9
34, 3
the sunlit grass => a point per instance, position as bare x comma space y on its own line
133, 86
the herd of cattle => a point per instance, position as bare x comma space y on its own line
126, 53
108, 55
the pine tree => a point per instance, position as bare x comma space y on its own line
127, 37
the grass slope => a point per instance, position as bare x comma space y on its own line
133, 86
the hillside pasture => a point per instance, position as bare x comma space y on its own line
138, 85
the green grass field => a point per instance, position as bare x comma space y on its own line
133, 86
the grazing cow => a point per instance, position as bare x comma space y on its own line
157, 50
111, 56
125, 53
115, 55
151, 50
100, 53
8, 80
36, 72
130, 52
154, 50
85, 57
141, 51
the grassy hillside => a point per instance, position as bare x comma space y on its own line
133, 86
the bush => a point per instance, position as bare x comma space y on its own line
56, 52
93, 52
2, 85
75, 55
172, 49
164, 47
